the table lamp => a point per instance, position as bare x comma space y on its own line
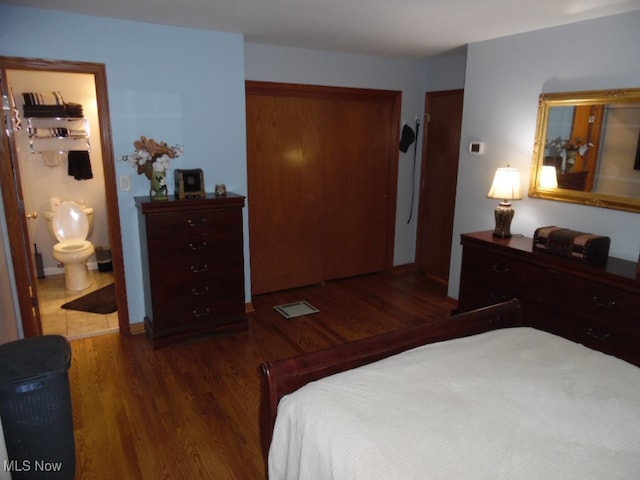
506, 187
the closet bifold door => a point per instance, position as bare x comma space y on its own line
285, 191
322, 170
358, 208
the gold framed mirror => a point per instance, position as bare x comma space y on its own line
587, 148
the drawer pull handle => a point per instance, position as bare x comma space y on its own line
197, 246
497, 269
598, 303
199, 269
200, 291
202, 313
197, 223
597, 336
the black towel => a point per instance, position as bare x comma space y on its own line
49, 111
79, 165
74, 109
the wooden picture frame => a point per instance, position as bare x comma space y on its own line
189, 184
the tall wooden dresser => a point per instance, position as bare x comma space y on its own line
193, 266
596, 306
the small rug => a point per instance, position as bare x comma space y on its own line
101, 301
297, 309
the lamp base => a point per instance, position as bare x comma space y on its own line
504, 215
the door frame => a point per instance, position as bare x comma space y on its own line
26, 288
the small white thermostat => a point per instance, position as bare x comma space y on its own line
477, 148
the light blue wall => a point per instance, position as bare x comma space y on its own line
504, 78
412, 78
178, 85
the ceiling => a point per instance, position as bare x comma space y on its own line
406, 28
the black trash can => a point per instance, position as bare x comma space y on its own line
103, 257
35, 408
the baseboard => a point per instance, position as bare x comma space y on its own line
136, 328
404, 266
452, 301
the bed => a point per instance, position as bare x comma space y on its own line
477, 395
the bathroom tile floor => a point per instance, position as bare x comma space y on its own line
70, 323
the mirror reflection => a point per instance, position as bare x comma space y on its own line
587, 148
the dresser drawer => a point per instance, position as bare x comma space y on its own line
488, 278
211, 244
220, 224
481, 295
229, 285
590, 299
180, 271
496, 269
211, 313
614, 338
606, 303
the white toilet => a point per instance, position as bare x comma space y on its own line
71, 226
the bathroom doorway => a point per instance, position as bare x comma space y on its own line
42, 178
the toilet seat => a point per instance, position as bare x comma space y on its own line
72, 247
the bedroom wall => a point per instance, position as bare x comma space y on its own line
173, 84
413, 78
504, 78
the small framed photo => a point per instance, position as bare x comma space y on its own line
189, 184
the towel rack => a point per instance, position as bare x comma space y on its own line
58, 134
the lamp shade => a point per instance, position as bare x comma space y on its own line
506, 184
548, 177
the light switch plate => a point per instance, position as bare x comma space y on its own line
125, 183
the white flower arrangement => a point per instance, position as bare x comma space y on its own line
559, 146
151, 156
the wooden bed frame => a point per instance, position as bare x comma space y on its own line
285, 376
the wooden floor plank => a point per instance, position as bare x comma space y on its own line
191, 410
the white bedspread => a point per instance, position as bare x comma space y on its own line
510, 404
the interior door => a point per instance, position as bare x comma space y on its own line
23, 264
438, 180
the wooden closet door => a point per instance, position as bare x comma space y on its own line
322, 170
357, 168
284, 148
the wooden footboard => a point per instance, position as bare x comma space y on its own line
285, 376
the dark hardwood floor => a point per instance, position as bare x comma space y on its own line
190, 411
